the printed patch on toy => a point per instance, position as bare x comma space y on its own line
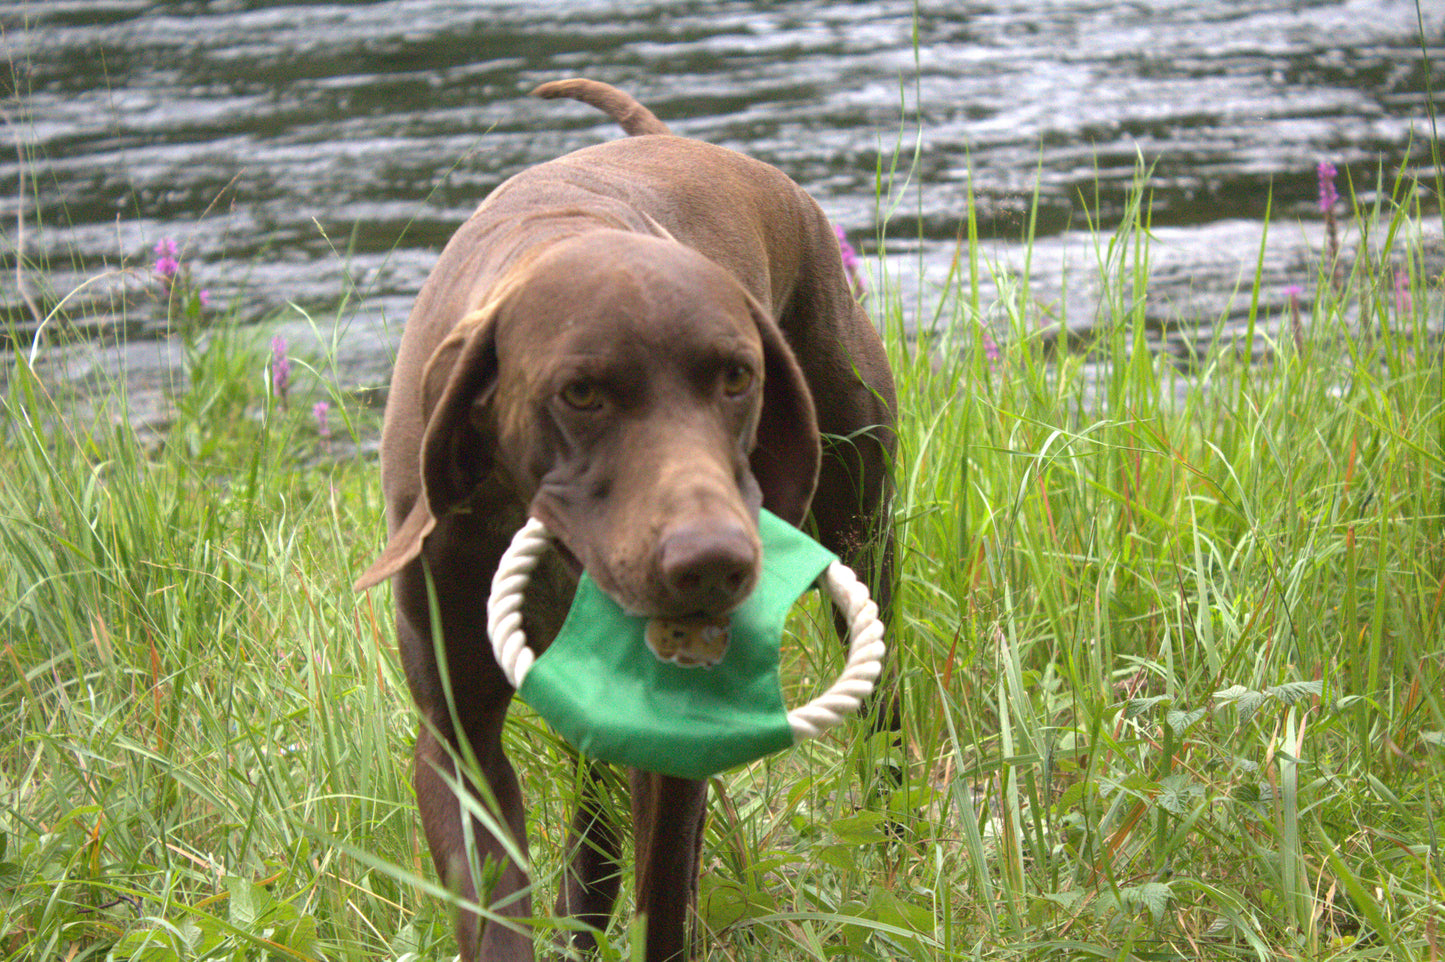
689, 642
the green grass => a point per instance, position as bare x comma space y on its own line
1171, 647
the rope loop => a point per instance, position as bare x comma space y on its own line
865, 631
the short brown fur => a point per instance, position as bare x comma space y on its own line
639, 343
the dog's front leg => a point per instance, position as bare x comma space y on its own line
667, 825
442, 820
594, 855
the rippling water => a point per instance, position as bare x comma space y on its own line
300, 150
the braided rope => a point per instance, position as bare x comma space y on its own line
504, 607
865, 656
865, 631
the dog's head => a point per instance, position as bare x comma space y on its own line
641, 402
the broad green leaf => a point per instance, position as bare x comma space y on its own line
1153, 896
1293, 691
865, 828
1178, 794
1181, 721
1139, 706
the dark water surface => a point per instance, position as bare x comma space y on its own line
300, 151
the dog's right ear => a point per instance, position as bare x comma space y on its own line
789, 450
457, 442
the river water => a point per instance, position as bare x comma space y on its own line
305, 152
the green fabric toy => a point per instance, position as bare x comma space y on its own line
602, 686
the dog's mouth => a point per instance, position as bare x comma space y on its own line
696, 639
683, 618
570, 561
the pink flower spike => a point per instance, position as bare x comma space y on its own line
1328, 195
850, 259
280, 368
990, 347
167, 266
319, 411
205, 298
166, 247
1404, 303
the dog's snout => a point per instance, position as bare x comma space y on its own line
708, 569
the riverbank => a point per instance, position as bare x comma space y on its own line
1170, 647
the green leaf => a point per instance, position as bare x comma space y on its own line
1178, 793
249, 903
203, 935
298, 935
721, 905
1250, 703
865, 828
1181, 721
1252, 792
1073, 795
1153, 896
146, 945
842, 857
1139, 706
1293, 691
885, 907
1067, 900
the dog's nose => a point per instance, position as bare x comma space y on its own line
708, 569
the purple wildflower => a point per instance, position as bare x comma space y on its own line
990, 347
1404, 303
320, 410
850, 261
1328, 195
280, 368
167, 258
204, 297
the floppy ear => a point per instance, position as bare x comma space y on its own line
457, 441
785, 460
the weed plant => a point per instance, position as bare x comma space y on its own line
1170, 647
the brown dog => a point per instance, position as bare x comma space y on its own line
639, 343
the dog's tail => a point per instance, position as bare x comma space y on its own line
630, 115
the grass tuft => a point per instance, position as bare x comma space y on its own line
1170, 643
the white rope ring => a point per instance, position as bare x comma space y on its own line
843, 697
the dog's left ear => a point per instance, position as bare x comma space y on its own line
786, 458
457, 442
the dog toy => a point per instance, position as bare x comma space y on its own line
682, 697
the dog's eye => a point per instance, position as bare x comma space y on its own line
582, 395
736, 380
